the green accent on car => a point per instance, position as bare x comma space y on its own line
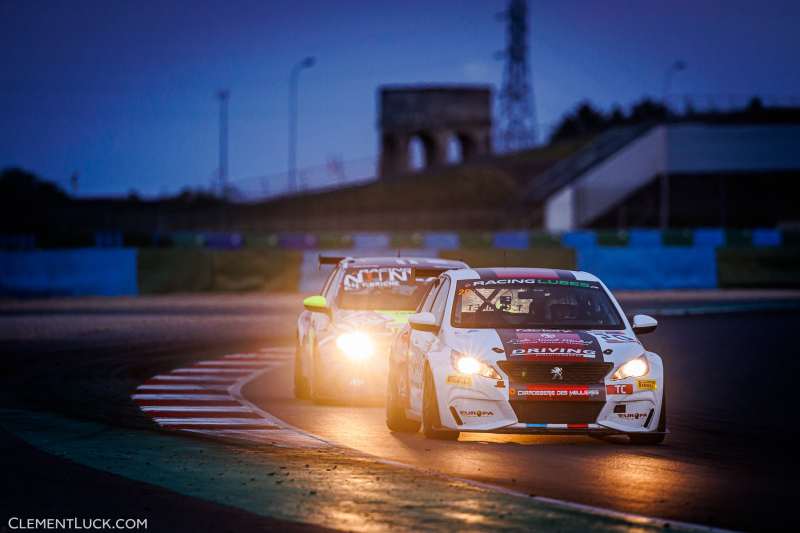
316, 303
398, 317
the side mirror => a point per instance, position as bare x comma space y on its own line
423, 322
317, 304
644, 324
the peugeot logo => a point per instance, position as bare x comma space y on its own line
557, 373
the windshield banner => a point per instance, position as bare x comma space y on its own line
356, 279
549, 345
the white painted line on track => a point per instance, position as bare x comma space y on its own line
190, 379
236, 419
229, 362
243, 356
196, 408
211, 371
200, 397
211, 421
172, 387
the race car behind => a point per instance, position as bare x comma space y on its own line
344, 333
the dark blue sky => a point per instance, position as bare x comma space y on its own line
123, 92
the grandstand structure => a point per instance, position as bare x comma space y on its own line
685, 174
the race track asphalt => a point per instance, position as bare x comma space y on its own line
729, 461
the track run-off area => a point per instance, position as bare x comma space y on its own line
186, 402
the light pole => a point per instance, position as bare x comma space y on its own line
307, 62
223, 141
677, 66
663, 211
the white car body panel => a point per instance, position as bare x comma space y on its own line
482, 405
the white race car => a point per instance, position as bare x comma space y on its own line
525, 350
344, 334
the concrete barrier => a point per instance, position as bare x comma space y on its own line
651, 267
78, 272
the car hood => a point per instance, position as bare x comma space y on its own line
377, 321
548, 345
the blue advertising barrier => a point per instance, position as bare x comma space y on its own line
644, 237
651, 268
223, 241
709, 237
511, 239
297, 241
78, 272
442, 240
767, 237
579, 239
371, 241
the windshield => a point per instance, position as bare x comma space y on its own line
382, 288
533, 303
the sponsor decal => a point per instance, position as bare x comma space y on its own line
566, 352
459, 380
619, 389
557, 392
646, 384
527, 281
614, 337
475, 413
631, 416
356, 279
549, 345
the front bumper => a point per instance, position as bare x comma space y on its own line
479, 405
342, 379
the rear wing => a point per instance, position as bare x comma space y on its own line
428, 272
331, 259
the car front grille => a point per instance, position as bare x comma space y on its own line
551, 412
538, 372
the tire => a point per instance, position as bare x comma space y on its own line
431, 422
300, 382
314, 389
396, 419
654, 438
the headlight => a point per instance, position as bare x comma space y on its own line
355, 345
467, 364
632, 369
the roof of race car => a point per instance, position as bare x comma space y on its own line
521, 273
422, 262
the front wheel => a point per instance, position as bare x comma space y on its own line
300, 382
396, 419
654, 438
431, 422
315, 388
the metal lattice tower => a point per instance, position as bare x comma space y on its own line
517, 105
